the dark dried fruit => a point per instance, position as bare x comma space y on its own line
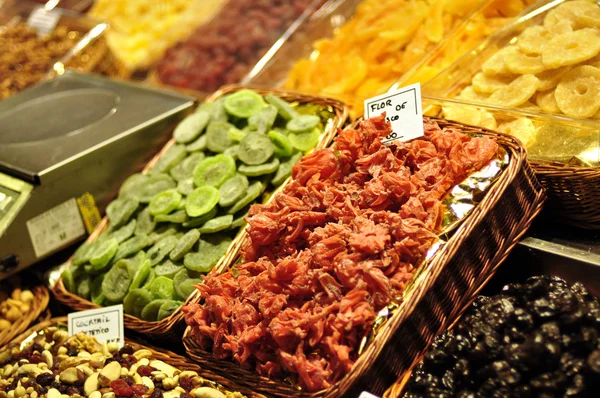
121, 387
157, 393
144, 370
44, 379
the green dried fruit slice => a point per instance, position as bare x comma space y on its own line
132, 185
201, 201
96, 293
191, 127
69, 281
261, 169
216, 224
239, 222
184, 244
283, 107
255, 149
136, 262
214, 171
198, 145
253, 192
82, 254
168, 269
149, 279
236, 134
233, 190
132, 246
116, 282
184, 283
179, 217
162, 288
216, 109
161, 249
186, 186
169, 159
145, 223
198, 221
217, 137
155, 185
186, 168
125, 232
167, 309
210, 251
162, 232
283, 145
84, 287
285, 169
135, 301
103, 252
244, 104
263, 120
232, 151
305, 141
302, 123
119, 211
150, 311
141, 275
165, 202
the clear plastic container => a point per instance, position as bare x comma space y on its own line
549, 137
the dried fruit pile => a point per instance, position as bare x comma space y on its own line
340, 243
14, 306
536, 339
553, 67
55, 365
188, 207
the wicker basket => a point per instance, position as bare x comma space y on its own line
37, 313
452, 279
173, 326
169, 357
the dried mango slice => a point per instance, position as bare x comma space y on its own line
547, 102
517, 92
534, 39
578, 93
550, 78
571, 48
485, 84
495, 64
521, 128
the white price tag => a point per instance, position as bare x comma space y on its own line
105, 324
42, 20
365, 394
403, 110
55, 228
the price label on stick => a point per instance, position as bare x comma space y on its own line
42, 20
105, 324
402, 109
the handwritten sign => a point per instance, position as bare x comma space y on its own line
105, 324
403, 109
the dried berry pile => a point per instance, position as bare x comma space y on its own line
330, 251
536, 339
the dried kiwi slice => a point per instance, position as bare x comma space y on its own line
244, 104
150, 311
214, 171
96, 294
162, 232
179, 217
255, 149
184, 283
201, 201
236, 134
162, 288
135, 301
132, 185
155, 185
305, 141
233, 190
253, 192
116, 282
103, 252
232, 151
210, 251
283, 145
167, 309
285, 169
302, 123
260, 169
191, 127
283, 107
239, 221
198, 145
216, 109
169, 159
82, 254
217, 137
149, 279
136, 262
216, 224
141, 275
263, 120
186, 168
185, 244
168, 269
132, 246
119, 211
198, 221
125, 232
68, 281
145, 223
165, 202
84, 287
186, 186
161, 249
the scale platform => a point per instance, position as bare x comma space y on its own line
65, 147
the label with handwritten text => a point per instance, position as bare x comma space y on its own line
105, 324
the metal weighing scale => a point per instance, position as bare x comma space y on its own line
65, 144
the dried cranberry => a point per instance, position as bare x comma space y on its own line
130, 361
126, 349
129, 380
156, 393
139, 389
35, 359
144, 370
73, 391
44, 379
186, 383
120, 387
186, 395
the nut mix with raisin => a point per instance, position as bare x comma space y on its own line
540, 338
55, 365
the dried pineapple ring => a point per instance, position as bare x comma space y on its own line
550, 78
471, 95
521, 128
534, 39
521, 63
569, 12
517, 92
596, 115
589, 16
470, 115
594, 61
578, 93
484, 84
571, 48
495, 64
547, 102
529, 106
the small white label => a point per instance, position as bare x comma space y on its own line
365, 394
104, 324
403, 110
55, 228
42, 20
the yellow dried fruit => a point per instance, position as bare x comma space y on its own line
470, 115
471, 95
495, 64
534, 39
578, 93
528, 106
571, 48
594, 61
521, 128
489, 84
570, 12
521, 63
547, 102
550, 78
517, 92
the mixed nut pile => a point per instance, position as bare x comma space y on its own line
13, 307
52, 364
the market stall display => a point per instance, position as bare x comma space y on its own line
47, 362
362, 217
142, 31
229, 46
174, 222
534, 338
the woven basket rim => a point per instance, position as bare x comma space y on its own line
41, 298
164, 326
377, 346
